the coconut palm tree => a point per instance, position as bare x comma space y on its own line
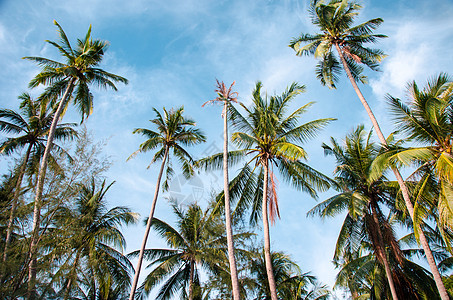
227, 97
271, 138
197, 242
335, 20
292, 284
365, 278
363, 197
426, 119
90, 245
173, 132
66, 80
32, 125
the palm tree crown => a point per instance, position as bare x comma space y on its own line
272, 137
335, 20
32, 125
174, 132
427, 119
79, 70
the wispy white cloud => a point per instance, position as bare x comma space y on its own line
417, 50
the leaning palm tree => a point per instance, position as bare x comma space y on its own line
227, 96
32, 126
335, 20
198, 242
271, 138
90, 245
173, 131
66, 80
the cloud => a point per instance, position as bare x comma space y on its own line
416, 51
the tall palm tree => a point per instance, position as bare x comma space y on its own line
427, 119
227, 96
197, 242
173, 132
32, 125
335, 20
271, 138
66, 80
91, 244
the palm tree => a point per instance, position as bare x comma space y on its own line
271, 138
427, 120
335, 20
197, 242
173, 131
70, 79
362, 197
91, 244
227, 97
32, 126
365, 278
292, 284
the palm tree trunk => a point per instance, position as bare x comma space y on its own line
191, 277
12, 214
429, 255
381, 249
39, 189
267, 238
229, 229
148, 226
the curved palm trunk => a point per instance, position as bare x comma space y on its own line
12, 214
382, 253
191, 277
429, 255
267, 238
229, 230
39, 190
148, 227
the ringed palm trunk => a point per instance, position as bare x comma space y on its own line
39, 190
14, 204
429, 255
267, 238
148, 227
382, 251
229, 230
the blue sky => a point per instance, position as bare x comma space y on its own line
172, 51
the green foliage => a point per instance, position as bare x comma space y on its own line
335, 19
268, 134
76, 73
291, 283
426, 119
367, 236
197, 242
174, 131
